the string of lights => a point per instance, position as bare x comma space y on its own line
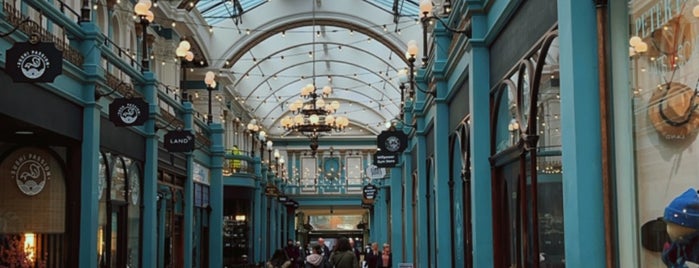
173, 23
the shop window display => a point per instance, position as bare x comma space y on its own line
664, 73
528, 210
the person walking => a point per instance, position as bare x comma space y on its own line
325, 249
343, 256
278, 260
386, 258
354, 249
292, 252
315, 260
372, 256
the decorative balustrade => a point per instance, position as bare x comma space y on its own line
28, 26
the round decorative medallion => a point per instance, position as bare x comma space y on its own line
392, 143
31, 171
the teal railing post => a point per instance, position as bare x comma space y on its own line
89, 200
150, 177
216, 196
188, 192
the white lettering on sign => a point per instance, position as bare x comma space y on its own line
658, 15
31, 172
33, 64
180, 141
129, 113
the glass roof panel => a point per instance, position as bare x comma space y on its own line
215, 11
404, 8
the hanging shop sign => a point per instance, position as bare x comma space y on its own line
374, 172
179, 141
392, 141
384, 159
126, 112
369, 191
34, 62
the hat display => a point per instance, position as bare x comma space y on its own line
684, 210
672, 110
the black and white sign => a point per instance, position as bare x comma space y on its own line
369, 191
392, 141
179, 141
40, 62
125, 112
383, 159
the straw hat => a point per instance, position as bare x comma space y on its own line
672, 111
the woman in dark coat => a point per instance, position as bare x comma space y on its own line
343, 256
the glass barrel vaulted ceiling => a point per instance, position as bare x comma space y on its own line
272, 49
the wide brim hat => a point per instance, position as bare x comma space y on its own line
672, 111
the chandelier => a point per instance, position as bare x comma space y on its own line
313, 115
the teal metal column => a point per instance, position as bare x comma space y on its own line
188, 192
89, 162
265, 244
162, 207
442, 206
256, 222
380, 217
396, 236
150, 178
580, 127
422, 249
408, 241
216, 197
273, 229
441, 180
481, 190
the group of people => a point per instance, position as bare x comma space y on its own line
343, 255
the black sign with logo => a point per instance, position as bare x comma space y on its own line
40, 62
392, 141
383, 159
369, 191
179, 141
125, 112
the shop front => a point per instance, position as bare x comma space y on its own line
661, 105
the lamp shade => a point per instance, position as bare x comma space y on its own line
327, 90
141, 9
276, 153
412, 48
189, 56
403, 76
252, 125
298, 119
180, 52
150, 16
184, 44
269, 144
148, 3
335, 104
425, 8
313, 119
